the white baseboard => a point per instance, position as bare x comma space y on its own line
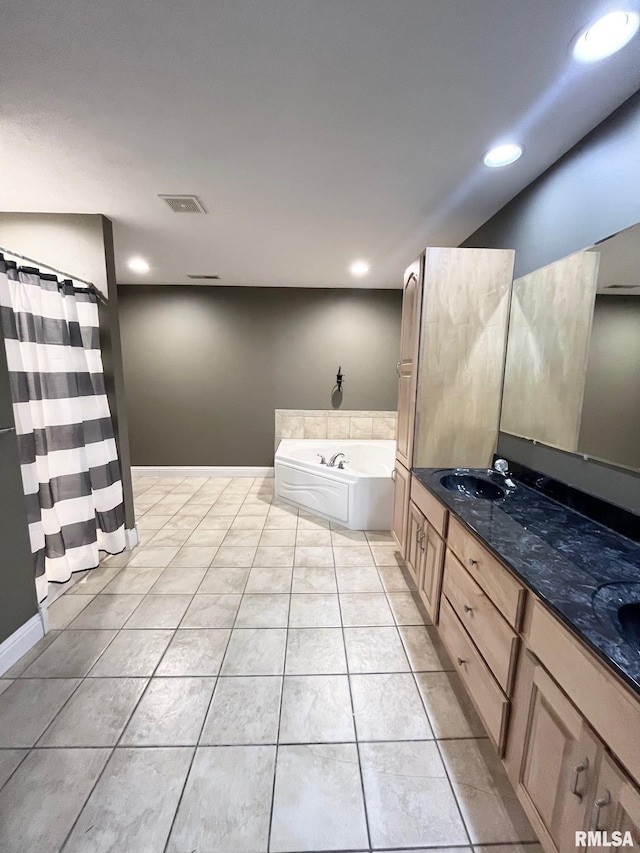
132, 537
19, 643
200, 471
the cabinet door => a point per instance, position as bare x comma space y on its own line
557, 774
616, 804
430, 582
415, 541
411, 302
401, 485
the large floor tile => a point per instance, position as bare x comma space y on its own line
133, 581
375, 650
41, 801
194, 557
255, 651
388, 707
229, 556
196, 651
394, 579
247, 522
448, 705
277, 538
315, 651
29, 657
405, 609
313, 538
286, 521
362, 609
96, 580
169, 536
227, 801
211, 611
218, 580
386, 555
177, 580
274, 556
313, 556
159, 611
96, 714
203, 537
316, 709
313, 579
28, 706
315, 610
409, 798
358, 579
70, 655
133, 653
244, 710
170, 713
487, 801
9, 760
133, 804
216, 521
157, 557
509, 848
107, 611
263, 611
65, 609
318, 802
269, 579
424, 648
356, 555
239, 537
348, 538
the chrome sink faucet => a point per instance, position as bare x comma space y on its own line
331, 463
502, 467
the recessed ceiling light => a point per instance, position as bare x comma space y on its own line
606, 36
138, 265
359, 268
502, 155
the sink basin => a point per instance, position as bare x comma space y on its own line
472, 486
629, 619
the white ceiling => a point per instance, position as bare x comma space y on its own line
314, 131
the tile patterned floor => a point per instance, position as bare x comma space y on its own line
250, 680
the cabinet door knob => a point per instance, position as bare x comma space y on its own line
577, 770
599, 804
467, 609
461, 661
472, 562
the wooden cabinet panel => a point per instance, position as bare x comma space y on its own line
415, 546
616, 804
435, 513
430, 580
490, 701
503, 589
496, 641
407, 366
401, 489
610, 708
404, 429
558, 770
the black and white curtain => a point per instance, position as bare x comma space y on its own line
68, 456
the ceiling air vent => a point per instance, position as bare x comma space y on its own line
204, 277
183, 203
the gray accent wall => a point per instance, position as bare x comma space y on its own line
206, 367
588, 195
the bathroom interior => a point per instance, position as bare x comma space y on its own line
320, 427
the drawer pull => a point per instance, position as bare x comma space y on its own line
599, 804
472, 562
577, 770
467, 609
461, 661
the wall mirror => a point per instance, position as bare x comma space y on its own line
572, 371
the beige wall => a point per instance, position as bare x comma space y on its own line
331, 424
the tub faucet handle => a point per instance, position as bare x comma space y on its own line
342, 463
323, 461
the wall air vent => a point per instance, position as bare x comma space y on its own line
183, 203
205, 277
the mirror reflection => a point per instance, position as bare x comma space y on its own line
572, 372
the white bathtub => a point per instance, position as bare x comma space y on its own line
359, 496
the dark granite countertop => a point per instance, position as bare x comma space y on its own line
580, 569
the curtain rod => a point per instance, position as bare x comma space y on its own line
47, 267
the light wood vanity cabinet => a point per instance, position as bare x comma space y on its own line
399, 519
407, 366
567, 729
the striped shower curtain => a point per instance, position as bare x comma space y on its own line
68, 456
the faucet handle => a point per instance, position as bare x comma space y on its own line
323, 461
501, 466
342, 463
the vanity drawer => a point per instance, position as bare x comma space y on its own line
429, 506
496, 641
502, 588
490, 701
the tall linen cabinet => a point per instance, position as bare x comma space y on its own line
455, 315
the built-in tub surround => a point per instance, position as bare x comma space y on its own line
335, 424
358, 496
568, 560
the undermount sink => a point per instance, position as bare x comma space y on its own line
617, 605
629, 619
472, 486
